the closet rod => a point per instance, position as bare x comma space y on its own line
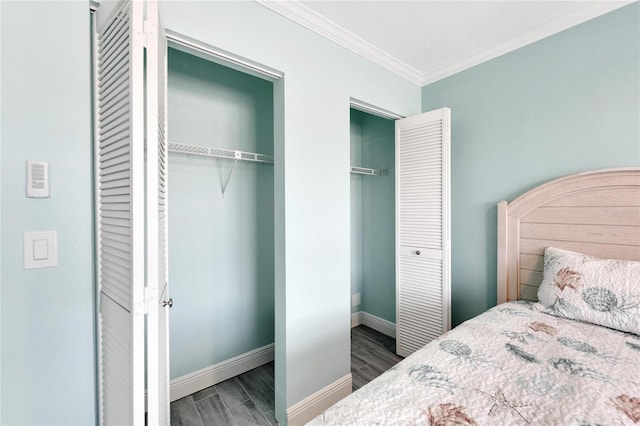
367, 171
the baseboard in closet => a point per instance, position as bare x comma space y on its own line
209, 376
382, 325
305, 410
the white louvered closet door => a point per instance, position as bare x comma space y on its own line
120, 139
422, 229
130, 92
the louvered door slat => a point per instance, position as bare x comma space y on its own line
116, 221
113, 63
116, 157
117, 54
110, 20
116, 105
114, 140
106, 242
111, 84
116, 133
114, 84
124, 255
114, 123
114, 72
109, 177
422, 155
115, 338
115, 95
116, 183
114, 168
114, 40
114, 143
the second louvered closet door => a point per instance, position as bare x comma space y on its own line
422, 221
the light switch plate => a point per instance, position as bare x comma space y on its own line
40, 249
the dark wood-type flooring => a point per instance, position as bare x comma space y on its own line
248, 399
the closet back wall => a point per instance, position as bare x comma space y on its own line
373, 216
221, 261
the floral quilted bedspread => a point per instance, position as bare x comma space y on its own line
512, 365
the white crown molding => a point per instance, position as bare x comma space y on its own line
582, 13
310, 19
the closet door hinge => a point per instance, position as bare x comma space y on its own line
148, 29
148, 298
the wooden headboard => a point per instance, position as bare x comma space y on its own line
596, 213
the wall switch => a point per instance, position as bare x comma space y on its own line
40, 249
355, 299
38, 179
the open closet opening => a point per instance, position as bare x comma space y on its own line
221, 224
373, 270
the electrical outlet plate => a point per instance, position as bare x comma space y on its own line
355, 299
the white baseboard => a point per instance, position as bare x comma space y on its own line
305, 410
298, 413
209, 376
372, 321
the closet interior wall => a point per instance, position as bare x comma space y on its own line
373, 215
221, 255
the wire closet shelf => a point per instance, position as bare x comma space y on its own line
367, 171
230, 154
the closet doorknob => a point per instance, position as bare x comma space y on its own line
168, 303
418, 252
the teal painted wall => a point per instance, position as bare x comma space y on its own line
221, 262
312, 191
47, 315
566, 104
373, 215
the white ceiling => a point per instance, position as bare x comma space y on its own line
425, 41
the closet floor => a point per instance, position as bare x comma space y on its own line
372, 353
248, 399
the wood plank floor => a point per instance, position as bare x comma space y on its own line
248, 399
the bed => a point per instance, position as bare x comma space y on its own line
562, 346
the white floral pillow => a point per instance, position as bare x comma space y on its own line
600, 291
